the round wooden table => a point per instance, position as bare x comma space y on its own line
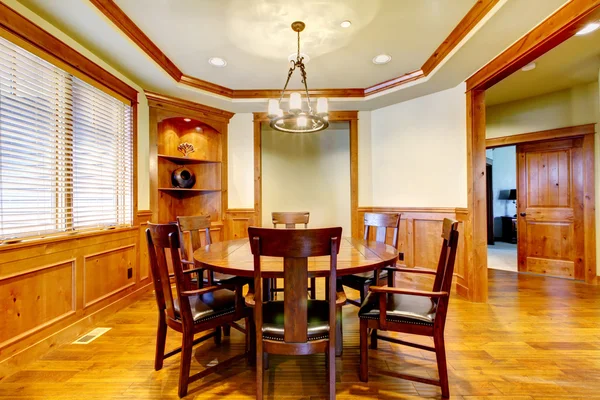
234, 257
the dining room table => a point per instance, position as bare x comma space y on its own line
234, 257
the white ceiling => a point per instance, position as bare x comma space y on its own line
255, 37
574, 62
510, 20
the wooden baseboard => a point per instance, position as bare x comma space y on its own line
67, 334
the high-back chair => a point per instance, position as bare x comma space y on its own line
413, 311
290, 220
297, 325
381, 222
187, 310
197, 227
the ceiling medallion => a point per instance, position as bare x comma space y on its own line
297, 120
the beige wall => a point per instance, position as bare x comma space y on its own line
308, 172
575, 106
240, 161
143, 112
417, 153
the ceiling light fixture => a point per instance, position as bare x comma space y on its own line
217, 61
187, 119
382, 59
305, 57
346, 24
529, 67
589, 28
297, 120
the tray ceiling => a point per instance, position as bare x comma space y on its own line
191, 31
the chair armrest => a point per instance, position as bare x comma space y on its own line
208, 289
187, 262
424, 293
415, 270
340, 298
193, 270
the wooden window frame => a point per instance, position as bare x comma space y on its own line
29, 36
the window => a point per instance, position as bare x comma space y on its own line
66, 150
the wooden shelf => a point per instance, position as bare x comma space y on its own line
183, 160
188, 190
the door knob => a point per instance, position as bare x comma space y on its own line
522, 214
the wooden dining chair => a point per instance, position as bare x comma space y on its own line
361, 282
297, 325
192, 310
290, 220
413, 311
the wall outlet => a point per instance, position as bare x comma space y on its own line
400, 256
129, 273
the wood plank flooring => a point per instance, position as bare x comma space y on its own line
537, 338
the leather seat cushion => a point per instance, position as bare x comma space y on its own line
318, 320
400, 308
209, 305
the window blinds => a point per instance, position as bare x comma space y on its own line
66, 151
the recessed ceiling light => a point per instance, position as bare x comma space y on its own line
294, 55
217, 61
528, 67
187, 119
382, 59
589, 28
346, 24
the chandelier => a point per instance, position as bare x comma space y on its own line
297, 119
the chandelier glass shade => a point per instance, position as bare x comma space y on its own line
298, 119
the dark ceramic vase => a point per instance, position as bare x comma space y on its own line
183, 178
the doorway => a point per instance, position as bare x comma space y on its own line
502, 219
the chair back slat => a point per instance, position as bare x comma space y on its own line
382, 221
194, 226
157, 236
295, 299
445, 268
294, 246
290, 219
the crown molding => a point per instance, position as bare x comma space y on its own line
112, 11
161, 101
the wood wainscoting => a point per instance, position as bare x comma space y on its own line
53, 290
237, 220
419, 242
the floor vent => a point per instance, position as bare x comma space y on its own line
91, 336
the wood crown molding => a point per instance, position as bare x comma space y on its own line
112, 11
554, 30
41, 40
333, 116
550, 134
162, 101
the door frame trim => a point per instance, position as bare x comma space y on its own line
550, 134
551, 32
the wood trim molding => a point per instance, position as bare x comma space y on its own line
112, 11
162, 101
30, 33
551, 32
589, 209
550, 134
554, 30
437, 210
352, 118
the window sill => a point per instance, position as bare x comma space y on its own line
64, 237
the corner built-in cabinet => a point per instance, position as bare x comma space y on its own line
173, 122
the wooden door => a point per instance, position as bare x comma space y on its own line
550, 232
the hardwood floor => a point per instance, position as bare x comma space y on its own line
537, 338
